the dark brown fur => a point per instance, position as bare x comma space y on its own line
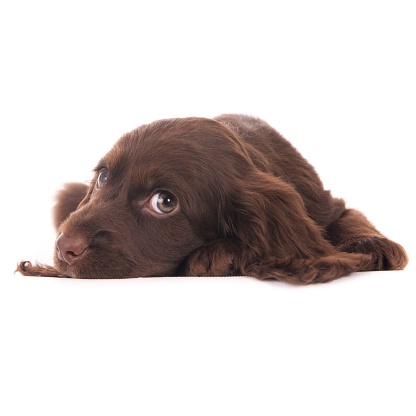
249, 204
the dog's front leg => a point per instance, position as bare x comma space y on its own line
216, 258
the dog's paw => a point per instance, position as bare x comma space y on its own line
387, 255
216, 258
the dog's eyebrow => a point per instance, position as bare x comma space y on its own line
101, 165
115, 168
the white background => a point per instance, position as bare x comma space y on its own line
335, 78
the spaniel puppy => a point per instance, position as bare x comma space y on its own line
210, 197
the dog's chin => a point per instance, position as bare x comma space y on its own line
79, 272
89, 269
107, 270
65, 269
76, 270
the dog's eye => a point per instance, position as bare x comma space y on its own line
163, 202
102, 178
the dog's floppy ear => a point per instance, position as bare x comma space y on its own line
270, 219
278, 239
68, 200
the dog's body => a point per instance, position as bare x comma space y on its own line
221, 196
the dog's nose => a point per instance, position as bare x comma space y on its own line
70, 249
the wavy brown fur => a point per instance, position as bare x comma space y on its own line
28, 269
248, 203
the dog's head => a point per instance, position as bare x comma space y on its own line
162, 191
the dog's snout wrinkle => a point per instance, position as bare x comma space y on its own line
70, 248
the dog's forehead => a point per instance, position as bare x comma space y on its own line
176, 154
174, 142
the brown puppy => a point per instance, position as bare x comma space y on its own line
221, 196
